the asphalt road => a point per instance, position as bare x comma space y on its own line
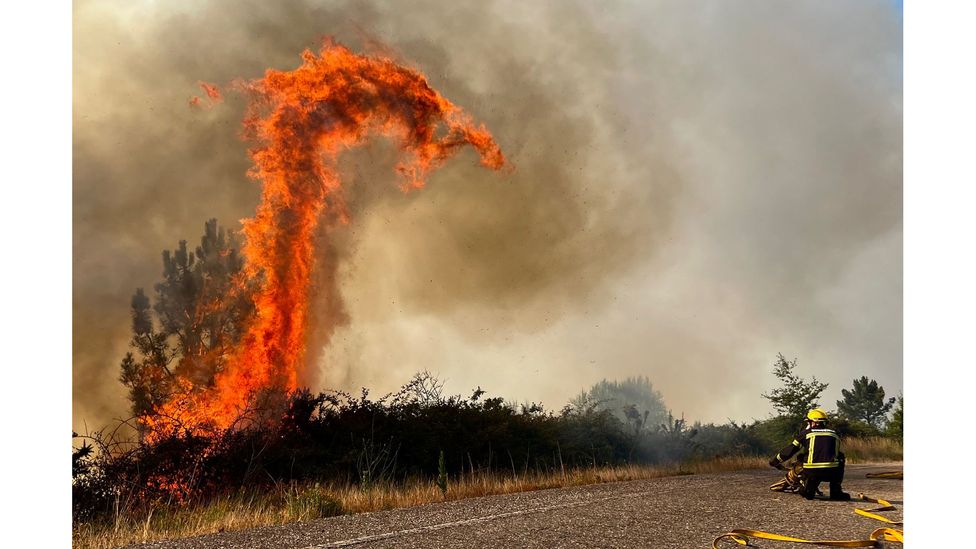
681, 512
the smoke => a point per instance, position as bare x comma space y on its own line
301, 122
696, 189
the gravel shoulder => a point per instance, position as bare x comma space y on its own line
680, 512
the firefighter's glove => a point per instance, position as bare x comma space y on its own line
774, 463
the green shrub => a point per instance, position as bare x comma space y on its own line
442, 473
312, 503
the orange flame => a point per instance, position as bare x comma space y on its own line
211, 90
301, 121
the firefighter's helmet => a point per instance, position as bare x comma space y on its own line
817, 415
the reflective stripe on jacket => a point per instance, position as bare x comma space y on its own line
818, 448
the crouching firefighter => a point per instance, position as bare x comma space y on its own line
819, 458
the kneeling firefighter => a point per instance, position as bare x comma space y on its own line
819, 458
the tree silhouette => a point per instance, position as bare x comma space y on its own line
797, 395
200, 310
633, 401
866, 402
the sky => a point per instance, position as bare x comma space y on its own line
696, 189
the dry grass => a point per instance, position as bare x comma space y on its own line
298, 502
309, 501
872, 450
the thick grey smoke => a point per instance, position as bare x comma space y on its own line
696, 188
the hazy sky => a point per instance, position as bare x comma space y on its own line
697, 187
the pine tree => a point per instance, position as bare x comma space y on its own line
199, 313
866, 402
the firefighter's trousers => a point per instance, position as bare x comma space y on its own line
810, 480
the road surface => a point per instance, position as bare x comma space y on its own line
680, 512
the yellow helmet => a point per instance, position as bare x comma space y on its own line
817, 415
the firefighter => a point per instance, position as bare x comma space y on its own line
819, 455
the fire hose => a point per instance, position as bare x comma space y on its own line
741, 535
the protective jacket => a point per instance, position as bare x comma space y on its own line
818, 447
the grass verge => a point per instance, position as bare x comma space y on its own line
872, 449
299, 502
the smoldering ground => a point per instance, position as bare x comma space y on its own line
696, 188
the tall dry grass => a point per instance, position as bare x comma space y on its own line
872, 450
299, 502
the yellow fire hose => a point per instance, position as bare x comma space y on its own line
741, 536
870, 513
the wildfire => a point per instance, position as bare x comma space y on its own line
211, 90
212, 93
299, 122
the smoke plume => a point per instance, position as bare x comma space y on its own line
697, 187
